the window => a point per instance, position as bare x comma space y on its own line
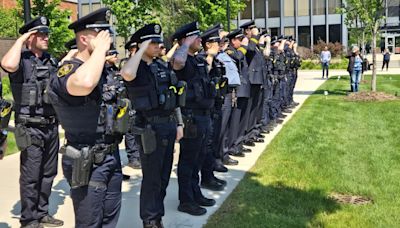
335, 33
319, 7
333, 5
303, 8
274, 31
259, 8
393, 8
319, 33
289, 31
289, 8
304, 36
246, 14
274, 8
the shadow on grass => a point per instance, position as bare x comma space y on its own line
253, 204
336, 92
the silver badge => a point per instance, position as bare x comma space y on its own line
43, 20
108, 15
157, 29
197, 25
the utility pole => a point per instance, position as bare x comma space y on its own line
27, 10
228, 14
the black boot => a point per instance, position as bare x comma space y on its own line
192, 209
205, 202
212, 185
50, 221
153, 224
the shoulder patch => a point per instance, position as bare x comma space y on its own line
229, 52
64, 70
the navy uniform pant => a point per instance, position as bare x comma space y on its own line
267, 100
192, 154
132, 146
255, 103
97, 204
38, 167
226, 134
276, 99
156, 170
212, 140
242, 112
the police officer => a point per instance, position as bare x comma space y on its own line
237, 50
255, 61
132, 146
210, 42
200, 99
90, 108
29, 67
154, 91
229, 105
278, 70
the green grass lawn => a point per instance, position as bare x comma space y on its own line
330, 145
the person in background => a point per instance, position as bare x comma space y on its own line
355, 69
325, 60
386, 59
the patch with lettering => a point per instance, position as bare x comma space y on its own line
64, 70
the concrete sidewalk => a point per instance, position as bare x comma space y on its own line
61, 204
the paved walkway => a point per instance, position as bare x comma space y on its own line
61, 204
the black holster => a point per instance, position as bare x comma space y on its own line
82, 164
24, 139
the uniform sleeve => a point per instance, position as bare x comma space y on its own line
63, 73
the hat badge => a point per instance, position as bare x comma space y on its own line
157, 29
108, 15
197, 25
43, 20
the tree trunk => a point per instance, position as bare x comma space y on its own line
373, 80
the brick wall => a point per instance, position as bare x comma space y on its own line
5, 45
73, 7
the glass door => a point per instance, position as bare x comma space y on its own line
390, 43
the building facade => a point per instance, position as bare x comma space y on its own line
314, 20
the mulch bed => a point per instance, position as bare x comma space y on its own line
370, 96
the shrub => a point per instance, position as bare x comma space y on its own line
336, 49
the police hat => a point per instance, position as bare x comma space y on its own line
71, 44
187, 30
218, 26
40, 24
236, 34
280, 38
274, 39
130, 44
211, 35
148, 32
112, 52
248, 25
97, 20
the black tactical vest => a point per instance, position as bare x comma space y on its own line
201, 90
29, 85
95, 121
160, 93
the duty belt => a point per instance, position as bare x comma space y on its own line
201, 112
40, 120
101, 147
160, 119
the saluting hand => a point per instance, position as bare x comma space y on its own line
268, 39
102, 41
245, 41
26, 36
190, 40
254, 31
